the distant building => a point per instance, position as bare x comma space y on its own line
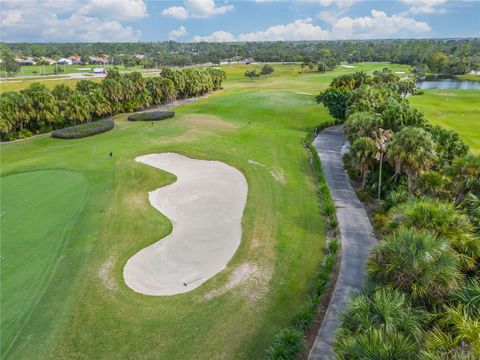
97, 60
47, 60
139, 56
77, 60
64, 61
28, 61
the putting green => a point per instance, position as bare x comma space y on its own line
37, 212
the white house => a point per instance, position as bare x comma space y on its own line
64, 61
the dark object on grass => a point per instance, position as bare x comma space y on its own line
151, 116
84, 130
111, 153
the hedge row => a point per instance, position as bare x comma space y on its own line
151, 116
84, 130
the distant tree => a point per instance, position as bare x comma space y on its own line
9, 65
437, 62
267, 70
321, 67
252, 74
62, 92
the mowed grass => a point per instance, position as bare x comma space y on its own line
38, 210
458, 110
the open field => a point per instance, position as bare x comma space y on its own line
83, 309
453, 109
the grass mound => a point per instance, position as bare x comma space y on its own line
151, 116
84, 130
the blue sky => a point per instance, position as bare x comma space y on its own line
209, 20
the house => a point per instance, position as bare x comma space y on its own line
139, 56
77, 60
28, 61
47, 60
64, 61
97, 60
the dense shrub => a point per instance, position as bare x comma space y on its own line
151, 116
287, 345
84, 130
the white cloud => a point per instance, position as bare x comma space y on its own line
115, 9
40, 20
425, 6
196, 9
378, 25
175, 34
217, 36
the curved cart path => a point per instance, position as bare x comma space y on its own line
356, 236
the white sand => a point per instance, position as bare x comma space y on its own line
348, 66
399, 72
205, 206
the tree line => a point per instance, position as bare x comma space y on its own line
36, 109
422, 298
449, 56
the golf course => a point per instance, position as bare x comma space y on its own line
72, 217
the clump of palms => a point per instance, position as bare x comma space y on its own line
419, 263
363, 151
442, 219
465, 176
411, 151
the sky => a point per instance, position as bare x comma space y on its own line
228, 20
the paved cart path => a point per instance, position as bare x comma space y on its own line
356, 236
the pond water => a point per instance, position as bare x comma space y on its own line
447, 83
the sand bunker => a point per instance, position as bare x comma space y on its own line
205, 206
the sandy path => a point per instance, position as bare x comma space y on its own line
205, 206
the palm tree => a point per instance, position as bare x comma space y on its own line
442, 219
62, 92
16, 111
363, 151
100, 104
362, 123
411, 151
43, 104
416, 262
465, 175
78, 108
381, 138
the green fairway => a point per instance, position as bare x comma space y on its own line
38, 210
100, 216
458, 110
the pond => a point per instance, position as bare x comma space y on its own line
443, 82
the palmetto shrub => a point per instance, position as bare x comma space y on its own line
442, 219
419, 263
151, 116
84, 130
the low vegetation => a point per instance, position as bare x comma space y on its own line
429, 250
151, 116
84, 130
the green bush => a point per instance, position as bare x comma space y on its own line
287, 345
333, 246
306, 314
84, 130
151, 116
